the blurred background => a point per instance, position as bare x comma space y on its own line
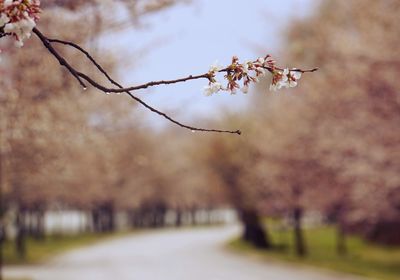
314, 179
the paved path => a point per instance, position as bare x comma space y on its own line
189, 254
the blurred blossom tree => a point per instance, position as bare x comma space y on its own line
355, 104
335, 146
230, 163
41, 132
57, 149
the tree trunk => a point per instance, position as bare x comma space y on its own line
20, 242
152, 212
96, 220
341, 247
39, 225
161, 210
110, 217
89, 227
29, 222
338, 212
193, 212
298, 232
253, 230
178, 220
131, 218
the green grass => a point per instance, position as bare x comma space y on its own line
363, 258
40, 251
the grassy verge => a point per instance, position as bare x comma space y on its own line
40, 251
363, 258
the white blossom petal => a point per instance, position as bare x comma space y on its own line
296, 75
292, 83
215, 67
286, 72
4, 19
212, 88
245, 89
7, 3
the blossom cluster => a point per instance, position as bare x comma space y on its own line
284, 79
18, 18
241, 75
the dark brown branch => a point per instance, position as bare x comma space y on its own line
292, 69
192, 128
60, 59
105, 89
4, 34
304, 71
144, 86
149, 84
47, 43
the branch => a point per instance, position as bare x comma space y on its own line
60, 59
121, 89
302, 70
47, 43
4, 34
235, 72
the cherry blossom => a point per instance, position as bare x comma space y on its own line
214, 68
212, 88
284, 79
239, 76
18, 18
293, 78
4, 19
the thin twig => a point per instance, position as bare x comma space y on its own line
60, 59
304, 71
4, 34
143, 86
149, 84
47, 43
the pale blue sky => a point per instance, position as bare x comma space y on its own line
187, 39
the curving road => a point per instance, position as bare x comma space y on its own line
189, 254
